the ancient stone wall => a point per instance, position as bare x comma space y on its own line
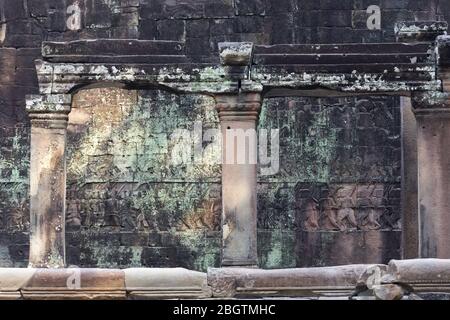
336, 197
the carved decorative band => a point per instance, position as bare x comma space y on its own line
238, 107
255, 106
233, 115
49, 120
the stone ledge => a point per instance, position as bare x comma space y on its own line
401, 279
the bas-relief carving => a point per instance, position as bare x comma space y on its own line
14, 215
131, 210
119, 177
14, 163
346, 207
347, 147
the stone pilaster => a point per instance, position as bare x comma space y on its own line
410, 219
238, 116
432, 110
49, 116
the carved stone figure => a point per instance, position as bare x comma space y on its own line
142, 223
311, 213
16, 220
370, 220
73, 218
330, 215
127, 212
112, 218
346, 215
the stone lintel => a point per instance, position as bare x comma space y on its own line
415, 31
236, 53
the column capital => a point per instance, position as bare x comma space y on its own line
49, 103
242, 106
49, 111
431, 103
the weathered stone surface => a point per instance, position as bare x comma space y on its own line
165, 283
12, 280
238, 114
241, 282
75, 283
417, 271
388, 292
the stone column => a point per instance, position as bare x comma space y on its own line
432, 110
238, 116
410, 218
49, 116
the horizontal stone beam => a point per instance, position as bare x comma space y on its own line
350, 48
111, 47
300, 282
357, 68
420, 273
176, 283
330, 59
162, 283
80, 283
